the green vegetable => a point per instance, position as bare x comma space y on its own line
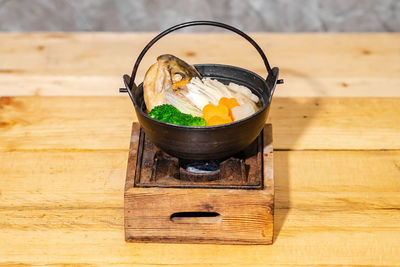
171, 114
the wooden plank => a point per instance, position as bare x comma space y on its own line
336, 123
307, 180
342, 64
76, 123
337, 179
65, 123
75, 85
62, 178
95, 236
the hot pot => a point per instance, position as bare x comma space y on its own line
209, 142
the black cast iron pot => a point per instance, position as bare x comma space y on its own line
210, 142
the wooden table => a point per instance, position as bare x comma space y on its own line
64, 136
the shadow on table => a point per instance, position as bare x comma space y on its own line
290, 118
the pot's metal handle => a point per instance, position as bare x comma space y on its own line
197, 23
130, 81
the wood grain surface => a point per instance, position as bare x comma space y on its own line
330, 211
63, 157
55, 197
314, 65
299, 123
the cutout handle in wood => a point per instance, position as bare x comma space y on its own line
196, 217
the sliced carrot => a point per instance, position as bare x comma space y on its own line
211, 110
230, 103
217, 120
180, 83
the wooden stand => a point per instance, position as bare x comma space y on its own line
197, 212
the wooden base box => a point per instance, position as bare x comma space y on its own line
225, 211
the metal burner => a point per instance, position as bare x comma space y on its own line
155, 168
200, 166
